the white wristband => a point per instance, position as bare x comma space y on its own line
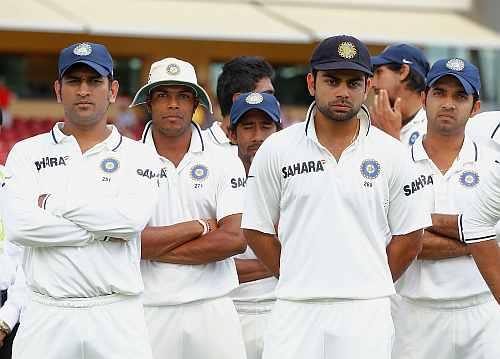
205, 225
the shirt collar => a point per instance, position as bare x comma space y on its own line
495, 135
468, 152
112, 142
419, 118
197, 144
363, 115
218, 133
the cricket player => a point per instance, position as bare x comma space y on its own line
444, 297
347, 227
254, 117
485, 129
241, 74
398, 81
187, 247
77, 200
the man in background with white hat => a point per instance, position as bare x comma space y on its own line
187, 248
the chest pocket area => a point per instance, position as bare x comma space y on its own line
107, 178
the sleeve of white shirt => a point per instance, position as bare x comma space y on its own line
477, 223
17, 295
407, 209
231, 188
119, 216
263, 191
25, 223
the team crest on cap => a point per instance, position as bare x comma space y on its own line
455, 64
199, 172
173, 69
254, 98
83, 49
469, 179
414, 136
347, 50
110, 165
370, 169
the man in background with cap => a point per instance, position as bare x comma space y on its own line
447, 310
398, 81
346, 227
254, 117
187, 267
241, 74
76, 201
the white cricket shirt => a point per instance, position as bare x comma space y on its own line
208, 183
484, 129
215, 134
335, 218
450, 193
414, 129
93, 196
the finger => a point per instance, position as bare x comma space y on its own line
397, 105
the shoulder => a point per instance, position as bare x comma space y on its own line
221, 157
483, 124
385, 142
287, 137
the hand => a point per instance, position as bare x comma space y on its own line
212, 223
41, 199
384, 117
2, 337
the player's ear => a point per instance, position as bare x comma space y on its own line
232, 134
404, 72
113, 91
235, 96
423, 97
310, 84
476, 108
57, 90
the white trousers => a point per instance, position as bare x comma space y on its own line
207, 329
109, 327
461, 329
334, 329
254, 318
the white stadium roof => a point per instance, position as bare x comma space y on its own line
422, 22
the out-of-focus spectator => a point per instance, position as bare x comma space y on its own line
6, 97
126, 119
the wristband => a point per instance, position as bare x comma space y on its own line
205, 225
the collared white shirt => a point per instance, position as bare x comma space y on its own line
484, 129
450, 193
208, 183
414, 129
216, 135
335, 218
94, 196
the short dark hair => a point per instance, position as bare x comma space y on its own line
241, 74
414, 81
232, 127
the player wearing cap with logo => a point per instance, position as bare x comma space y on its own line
188, 269
398, 80
445, 298
75, 200
254, 117
241, 74
346, 227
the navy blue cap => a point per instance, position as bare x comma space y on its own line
341, 52
464, 71
403, 54
255, 101
94, 55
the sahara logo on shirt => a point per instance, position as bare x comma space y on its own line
51, 162
303, 167
238, 182
418, 184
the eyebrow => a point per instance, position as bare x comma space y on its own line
332, 76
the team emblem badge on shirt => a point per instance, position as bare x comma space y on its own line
82, 49
347, 50
199, 173
110, 165
469, 179
414, 136
173, 69
370, 169
254, 98
455, 64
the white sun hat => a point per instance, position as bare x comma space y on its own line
172, 71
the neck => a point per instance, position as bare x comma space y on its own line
172, 147
443, 149
410, 106
225, 125
87, 136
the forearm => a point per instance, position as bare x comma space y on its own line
402, 250
250, 270
436, 247
159, 241
445, 225
487, 257
212, 247
267, 248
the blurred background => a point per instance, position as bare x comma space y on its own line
209, 33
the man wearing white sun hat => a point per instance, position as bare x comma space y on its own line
187, 248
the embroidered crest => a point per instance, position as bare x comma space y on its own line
370, 169
173, 69
455, 64
110, 165
347, 50
254, 98
83, 49
469, 179
199, 172
414, 136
